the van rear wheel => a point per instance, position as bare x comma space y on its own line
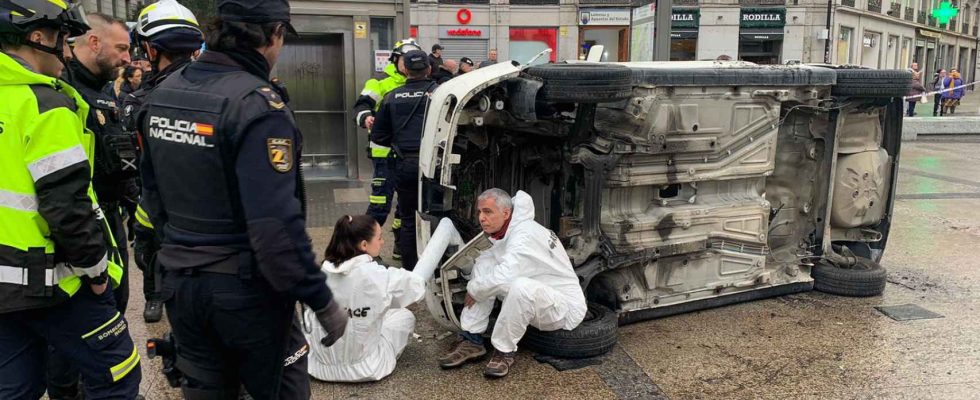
865, 279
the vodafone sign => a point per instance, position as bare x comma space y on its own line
464, 16
464, 32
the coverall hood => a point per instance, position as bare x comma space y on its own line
392, 71
346, 266
12, 72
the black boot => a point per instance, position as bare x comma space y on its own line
153, 311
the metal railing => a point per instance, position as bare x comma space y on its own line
533, 2
909, 14
874, 5
895, 10
849, 3
921, 17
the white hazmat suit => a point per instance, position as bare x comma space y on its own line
375, 298
530, 272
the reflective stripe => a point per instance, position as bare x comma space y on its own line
378, 200
59, 3
95, 270
358, 117
396, 223
18, 275
96, 330
17, 201
372, 94
55, 162
142, 218
122, 369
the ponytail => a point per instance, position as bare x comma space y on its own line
348, 233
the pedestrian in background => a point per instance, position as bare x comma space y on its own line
937, 86
466, 64
915, 94
435, 58
446, 72
491, 58
953, 91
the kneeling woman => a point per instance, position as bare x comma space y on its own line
375, 298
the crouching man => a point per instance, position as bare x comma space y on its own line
527, 268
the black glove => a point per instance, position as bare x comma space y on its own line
334, 320
145, 247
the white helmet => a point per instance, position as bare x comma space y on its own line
165, 15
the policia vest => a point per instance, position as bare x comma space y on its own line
42, 134
190, 132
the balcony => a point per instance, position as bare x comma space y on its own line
895, 10
686, 3
909, 14
605, 2
951, 26
464, 1
975, 28
965, 29
849, 3
921, 17
932, 21
874, 5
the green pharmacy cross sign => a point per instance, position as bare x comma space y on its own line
945, 12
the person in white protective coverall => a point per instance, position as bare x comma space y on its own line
374, 297
527, 268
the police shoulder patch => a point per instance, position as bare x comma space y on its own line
274, 99
280, 154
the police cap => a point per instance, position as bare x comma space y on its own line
256, 12
416, 60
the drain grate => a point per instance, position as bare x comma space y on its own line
907, 312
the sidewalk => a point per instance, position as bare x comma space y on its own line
969, 105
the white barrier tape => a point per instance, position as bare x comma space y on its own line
940, 91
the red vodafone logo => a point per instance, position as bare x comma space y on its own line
464, 16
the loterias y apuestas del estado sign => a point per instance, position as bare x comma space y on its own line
768, 17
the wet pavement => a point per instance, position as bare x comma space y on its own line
808, 345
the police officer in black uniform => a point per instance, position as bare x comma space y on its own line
169, 34
114, 178
222, 187
399, 125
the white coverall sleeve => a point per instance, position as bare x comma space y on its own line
498, 278
404, 287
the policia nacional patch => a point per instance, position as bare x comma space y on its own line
281, 154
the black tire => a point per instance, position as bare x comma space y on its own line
595, 336
865, 279
583, 83
748, 76
856, 82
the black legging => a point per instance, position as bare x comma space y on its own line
937, 104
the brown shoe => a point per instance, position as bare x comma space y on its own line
499, 365
464, 352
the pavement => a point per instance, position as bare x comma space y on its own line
924, 126
808, 345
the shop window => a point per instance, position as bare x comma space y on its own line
844, 45
382, 35
525, 43
683, 49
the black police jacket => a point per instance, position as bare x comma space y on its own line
398, 123
221, 176
114, 177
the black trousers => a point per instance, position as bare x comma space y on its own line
407, 187
233, 332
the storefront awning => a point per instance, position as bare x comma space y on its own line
683, 33
761, 34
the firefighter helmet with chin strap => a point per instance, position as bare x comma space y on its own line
403, 46
169, 26
23, 16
